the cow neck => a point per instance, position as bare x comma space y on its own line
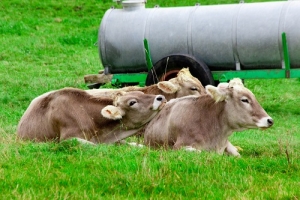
219, 111
120, 132
230, 128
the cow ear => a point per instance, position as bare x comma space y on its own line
216, 93
223, 85
112, 112
223, 88
167, 87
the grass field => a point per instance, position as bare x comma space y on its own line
47, 45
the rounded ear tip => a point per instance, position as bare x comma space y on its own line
216, 93
111, 112
167, 87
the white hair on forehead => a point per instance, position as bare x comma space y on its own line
238, 85
236, 82
184, 75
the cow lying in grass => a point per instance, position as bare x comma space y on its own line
206, 122
72, 113
182, 85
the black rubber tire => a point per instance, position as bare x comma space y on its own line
94, 85
170, 65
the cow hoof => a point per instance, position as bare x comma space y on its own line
190, 148
239, 148
135, 144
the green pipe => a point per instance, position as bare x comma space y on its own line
147, 53
286, 55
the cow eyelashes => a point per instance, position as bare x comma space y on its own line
245, 100
131, 103
194, 88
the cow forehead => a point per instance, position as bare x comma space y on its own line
243, 91
194, 81
134, 95
186, 80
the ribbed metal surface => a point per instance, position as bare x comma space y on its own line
219, 35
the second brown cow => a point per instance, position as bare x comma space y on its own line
206, 122
182, 85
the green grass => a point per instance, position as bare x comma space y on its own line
48, 45
68, 170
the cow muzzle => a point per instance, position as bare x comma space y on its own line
265, 122
159, 102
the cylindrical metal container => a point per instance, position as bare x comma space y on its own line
218, 35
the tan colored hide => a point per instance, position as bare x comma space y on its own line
206, 122
184, 84
73, 113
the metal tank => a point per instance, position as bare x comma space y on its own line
224, 37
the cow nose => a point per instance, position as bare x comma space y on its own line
160, 98
270, 121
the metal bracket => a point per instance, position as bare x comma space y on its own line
237, 66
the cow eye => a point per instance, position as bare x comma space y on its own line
131, 103
194, 88
245, 100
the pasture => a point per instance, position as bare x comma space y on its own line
48, 45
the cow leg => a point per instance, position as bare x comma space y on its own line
83, 141
70, 134
80, 140
190, 148
135, 144
180, 144
232, 150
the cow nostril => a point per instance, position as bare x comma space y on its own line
270, 121
159, 98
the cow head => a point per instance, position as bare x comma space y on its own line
134, 108
184, 84
243, 109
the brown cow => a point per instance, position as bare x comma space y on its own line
72, 113
182, 85
206, 122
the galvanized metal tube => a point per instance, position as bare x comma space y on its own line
219, 35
